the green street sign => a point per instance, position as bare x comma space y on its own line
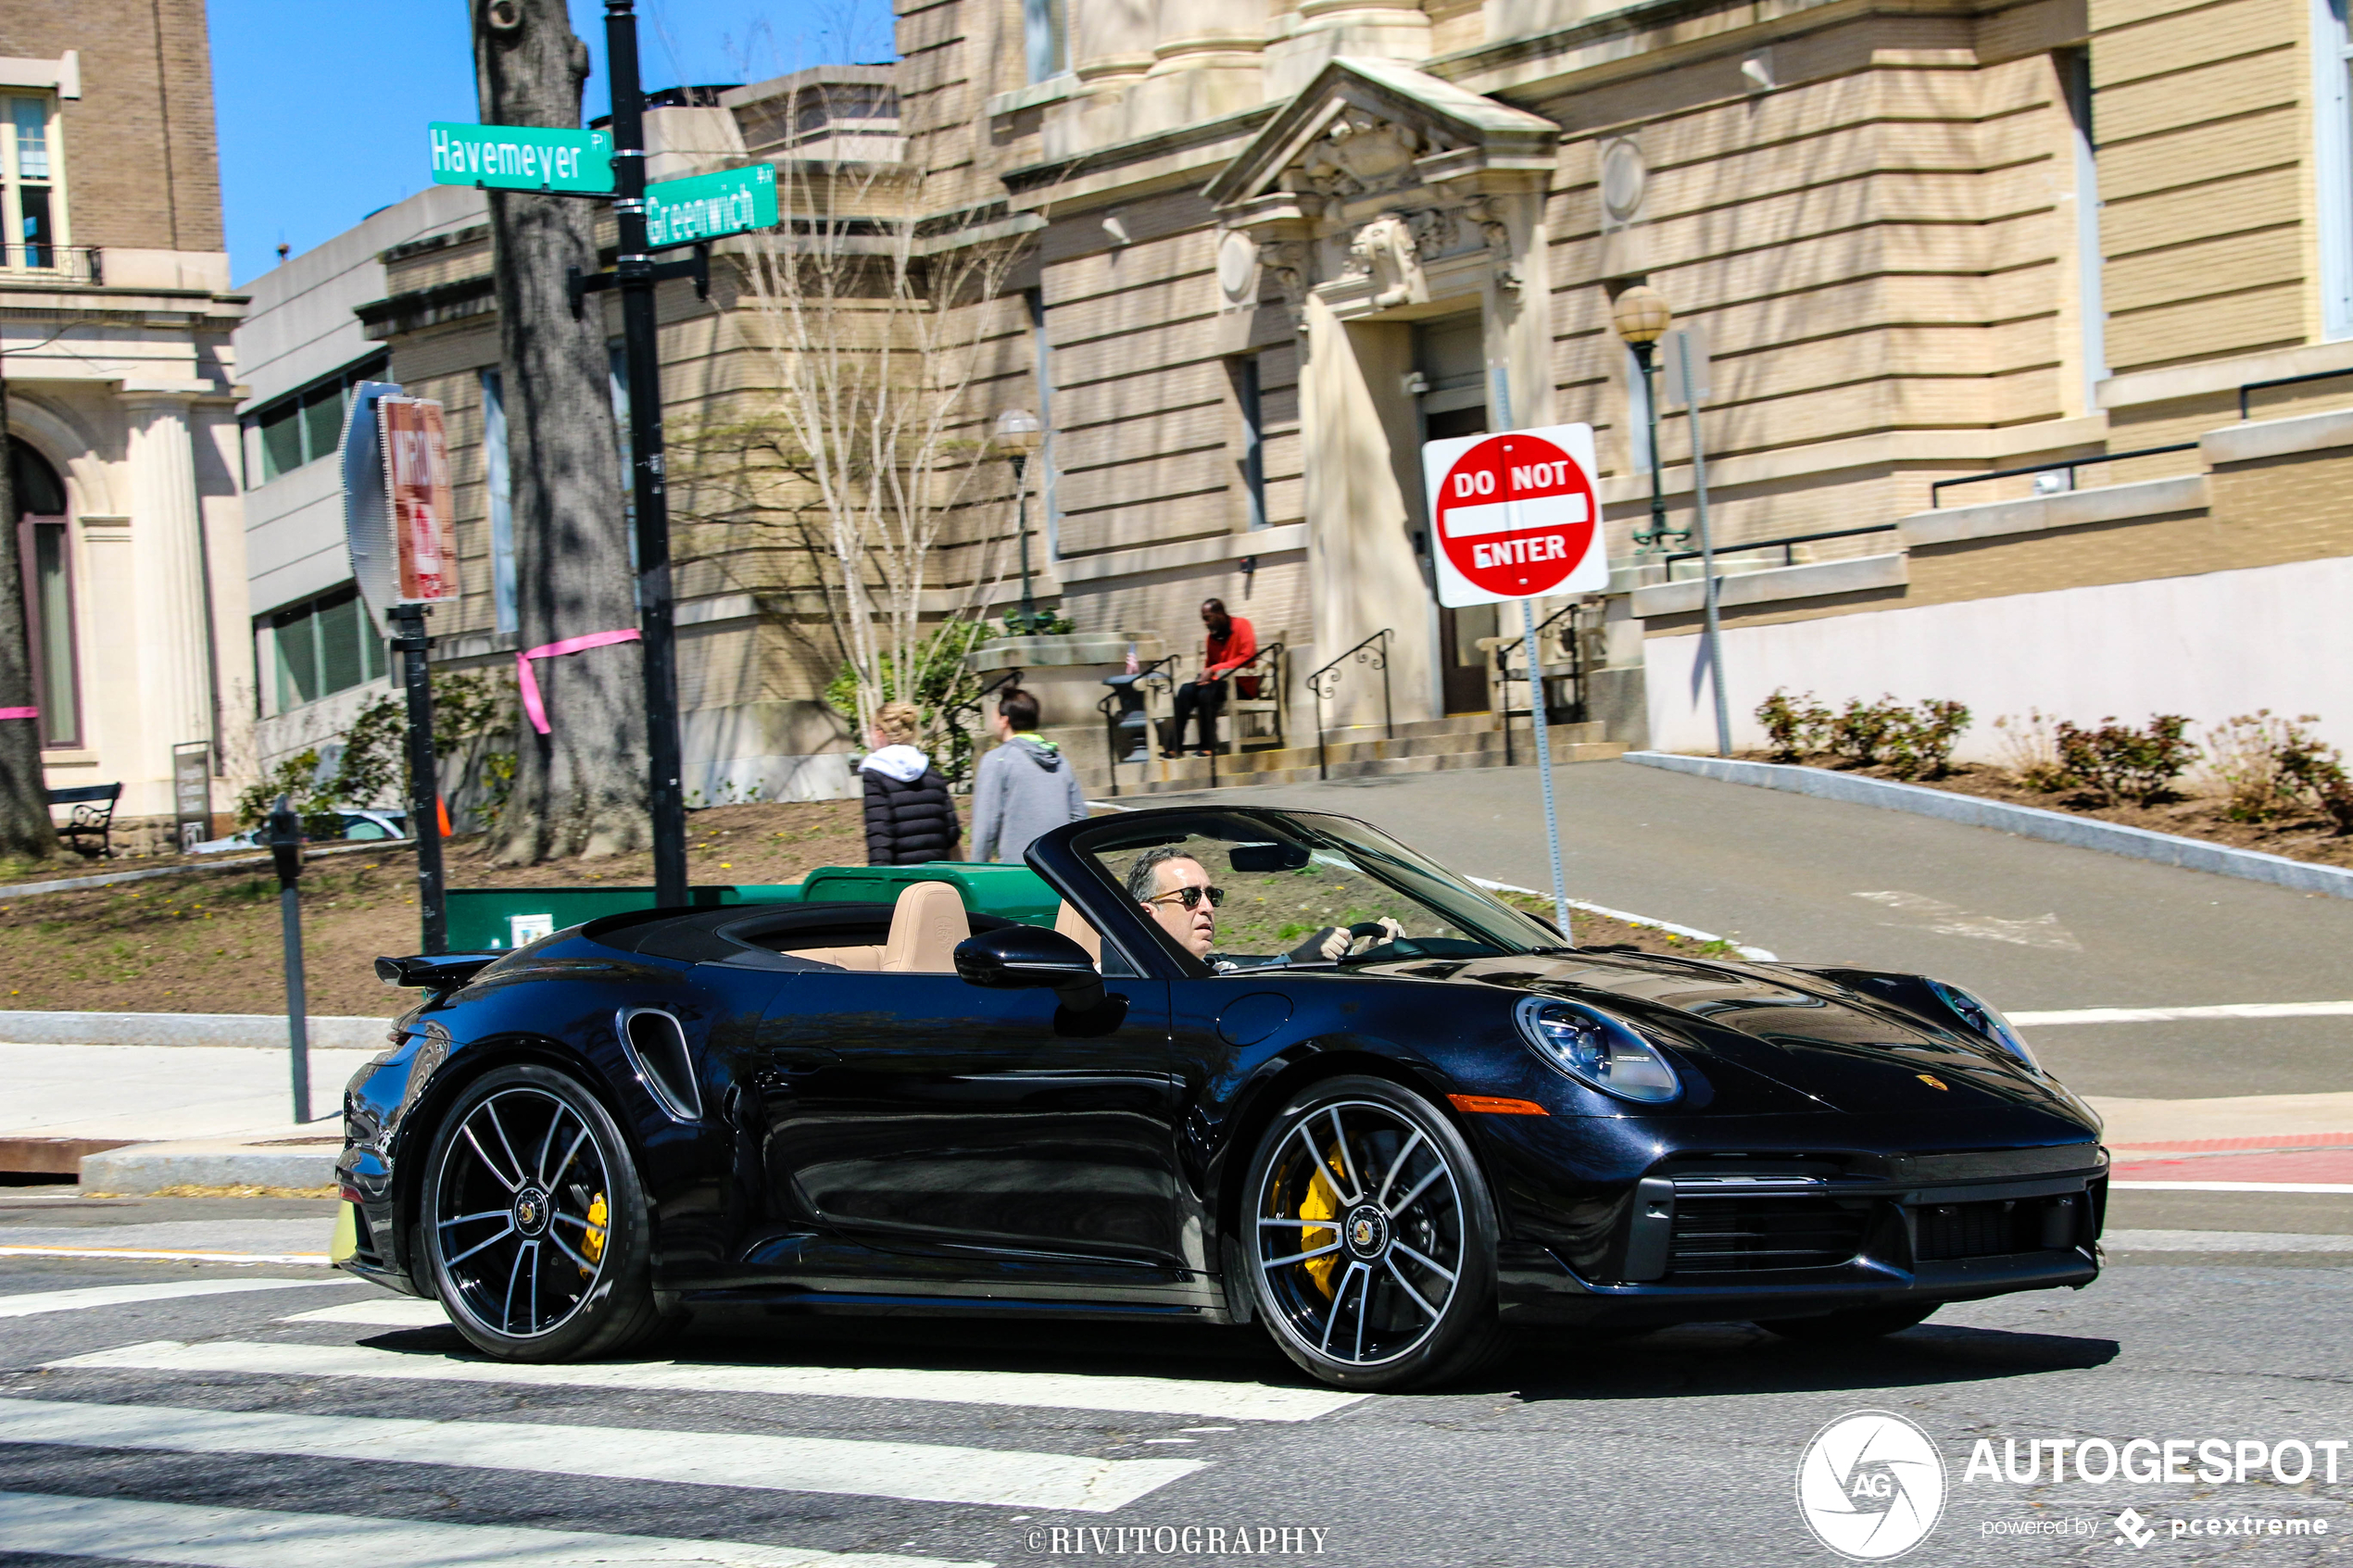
682, 212
521, 158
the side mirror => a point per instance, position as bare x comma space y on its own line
1024, 957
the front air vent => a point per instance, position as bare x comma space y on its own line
1995, 1228
1750, 1234
656, 1047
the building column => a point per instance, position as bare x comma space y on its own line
166, 537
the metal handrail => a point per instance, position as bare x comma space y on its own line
2284, 380
972, 705
1532, 676
1936, 491
1783, 544
1108, 706
71, 264
1325, 680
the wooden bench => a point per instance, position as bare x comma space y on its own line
93, 813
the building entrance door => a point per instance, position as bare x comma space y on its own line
1450, 359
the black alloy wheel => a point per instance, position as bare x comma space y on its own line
535, 1224
1854, 1323
1372, 1238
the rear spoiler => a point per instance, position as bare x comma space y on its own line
438, 972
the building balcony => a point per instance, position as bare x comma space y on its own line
50, 265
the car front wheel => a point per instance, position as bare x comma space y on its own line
535, 1224
1372, 1238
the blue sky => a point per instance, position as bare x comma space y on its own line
322, 108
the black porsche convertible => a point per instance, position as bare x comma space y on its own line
1262, 1066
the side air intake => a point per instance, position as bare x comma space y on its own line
656, 1047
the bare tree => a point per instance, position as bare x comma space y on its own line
880, 327
25, 829
582, 788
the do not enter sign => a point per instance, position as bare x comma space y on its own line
1514, 515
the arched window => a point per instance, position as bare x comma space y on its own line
46, 550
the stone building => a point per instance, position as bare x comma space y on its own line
1984, 286
115, 321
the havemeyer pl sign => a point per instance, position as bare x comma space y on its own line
521, 158
1515, 515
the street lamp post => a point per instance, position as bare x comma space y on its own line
1642, 318
1019, 434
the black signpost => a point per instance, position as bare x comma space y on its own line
285, 851
424, 788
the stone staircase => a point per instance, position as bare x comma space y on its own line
1430, 745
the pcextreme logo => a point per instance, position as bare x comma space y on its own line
1870, 1485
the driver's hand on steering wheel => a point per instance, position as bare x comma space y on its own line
1333, 942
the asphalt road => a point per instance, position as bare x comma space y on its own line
2031, 926
214, 1430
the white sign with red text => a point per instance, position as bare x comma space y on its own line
1515, 515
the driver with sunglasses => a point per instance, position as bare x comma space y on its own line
1174, 889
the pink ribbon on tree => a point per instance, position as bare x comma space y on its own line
532, 706
19, 713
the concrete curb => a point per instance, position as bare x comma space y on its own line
2027, 821
139, 1167
252, 1030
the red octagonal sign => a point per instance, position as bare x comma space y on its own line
1515, 515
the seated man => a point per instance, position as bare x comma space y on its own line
1174, 889
1230, 644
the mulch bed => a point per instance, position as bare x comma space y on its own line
2302, 836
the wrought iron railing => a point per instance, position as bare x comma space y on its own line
1325, 683
1784, 545
58, 264
1534, 675
1128, 724
2284, 380
1936, 491
951, 718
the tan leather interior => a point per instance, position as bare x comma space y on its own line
925, 926
1073, 924
866, 958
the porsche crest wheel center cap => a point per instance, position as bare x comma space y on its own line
531, 1210
1366, 1231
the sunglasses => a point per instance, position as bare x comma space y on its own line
1191, 896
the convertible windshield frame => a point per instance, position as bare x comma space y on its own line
1369, 851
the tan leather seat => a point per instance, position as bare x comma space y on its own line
925, 926
1073, 924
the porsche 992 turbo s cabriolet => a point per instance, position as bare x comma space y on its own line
1262, 1066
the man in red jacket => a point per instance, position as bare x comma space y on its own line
1230, 644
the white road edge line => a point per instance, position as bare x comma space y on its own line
2223, 1241
2174, 1015
126, 1531
143, 1255
2230, 1186
26, 1303
1153, 1396
1758, 954
913, 1472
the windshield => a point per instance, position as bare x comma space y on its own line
1237, 892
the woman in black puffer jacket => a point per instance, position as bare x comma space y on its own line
910, 818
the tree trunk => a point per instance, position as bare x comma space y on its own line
25, 830
582, 788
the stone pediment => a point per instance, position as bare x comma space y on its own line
1366, 128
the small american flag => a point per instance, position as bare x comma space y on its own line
1133, 667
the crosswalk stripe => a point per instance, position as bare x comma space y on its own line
2181, 1015
1153, 1395
156, 1255
126, 1531
913, 1472
25, 1304
379, 1311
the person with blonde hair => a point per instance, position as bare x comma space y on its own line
910, 818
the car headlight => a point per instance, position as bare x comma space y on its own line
1986, 1020
1593, 1048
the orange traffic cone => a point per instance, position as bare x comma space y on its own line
443, 806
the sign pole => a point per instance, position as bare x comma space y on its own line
1536, 701
424, 784
285, 852
635, 276
1707, 553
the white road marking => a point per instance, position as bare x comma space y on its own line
1151, 1396
27, 1303
914, 1471
380, 1311
124, 1531
2175, 1015
148, 1255
1756, 955
1951, 919
2223, 1241
2231, 1186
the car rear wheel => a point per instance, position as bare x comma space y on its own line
1371, 1246
1855, 1322
535, 1229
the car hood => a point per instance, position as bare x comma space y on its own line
1850, 1040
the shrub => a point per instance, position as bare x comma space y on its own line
1795, 726
1919, 744
2244, 761
2316, 772
2124, 763
2030, 752
1862, 729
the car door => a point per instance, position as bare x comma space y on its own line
932, 1118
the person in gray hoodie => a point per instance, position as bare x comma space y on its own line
1025, 786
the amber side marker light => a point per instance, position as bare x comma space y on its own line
1495, 1107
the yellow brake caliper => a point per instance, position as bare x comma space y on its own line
1322, 1203
592, 1240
